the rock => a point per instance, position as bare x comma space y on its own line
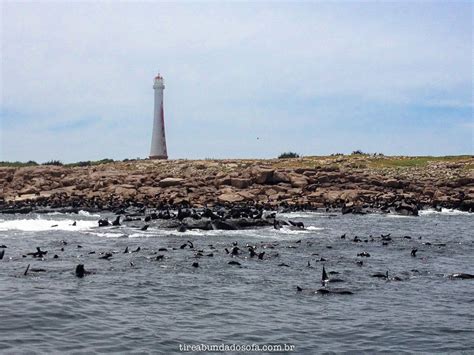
392, 183
280, 176
407, 209
298, 180
240, 183
167, 182
230, 198
263, 176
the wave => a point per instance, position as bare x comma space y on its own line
445, 211
39, 224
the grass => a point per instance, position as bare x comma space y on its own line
413, 162
17, 164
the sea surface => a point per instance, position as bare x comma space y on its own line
133, 303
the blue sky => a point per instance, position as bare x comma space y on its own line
311, 77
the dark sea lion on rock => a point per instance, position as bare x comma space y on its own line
116, 222
3, 246
104, 222
283, 264
364, 254
413, 252
296, 224
222, 225
233, 263
145, 227
195, 264
2, 254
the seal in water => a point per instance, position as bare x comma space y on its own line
324, 277
81, 272
461, 276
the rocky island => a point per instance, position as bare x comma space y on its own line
349, 183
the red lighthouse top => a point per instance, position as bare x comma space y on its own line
158, 76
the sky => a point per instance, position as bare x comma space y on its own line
243, 79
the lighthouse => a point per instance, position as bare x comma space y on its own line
158, 140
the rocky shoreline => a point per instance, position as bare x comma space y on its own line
351, 184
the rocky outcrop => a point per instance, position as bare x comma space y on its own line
353, 184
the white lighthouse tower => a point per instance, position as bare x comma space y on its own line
158, 140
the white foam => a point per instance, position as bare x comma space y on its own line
40, 224
445, 211
313, 228
87, 214
108, 235
302, 214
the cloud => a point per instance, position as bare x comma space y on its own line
232, 71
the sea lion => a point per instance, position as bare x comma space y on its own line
324, 291
116, 222
233, 262
413, 252
145, 227
81, 272
461, 276
2, 253
364, 254
380, 275
104, 222
39, 253
106, 256
195, 264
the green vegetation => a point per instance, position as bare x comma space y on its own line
90, 163
17, 164
53, 162
288, 155
407, 162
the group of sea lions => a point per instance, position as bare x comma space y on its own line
225, 219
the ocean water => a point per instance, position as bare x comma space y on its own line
159, 306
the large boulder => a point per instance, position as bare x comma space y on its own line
240, 183
230, 198
263, 176
167, 182
298, 180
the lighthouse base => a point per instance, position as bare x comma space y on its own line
158, 157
